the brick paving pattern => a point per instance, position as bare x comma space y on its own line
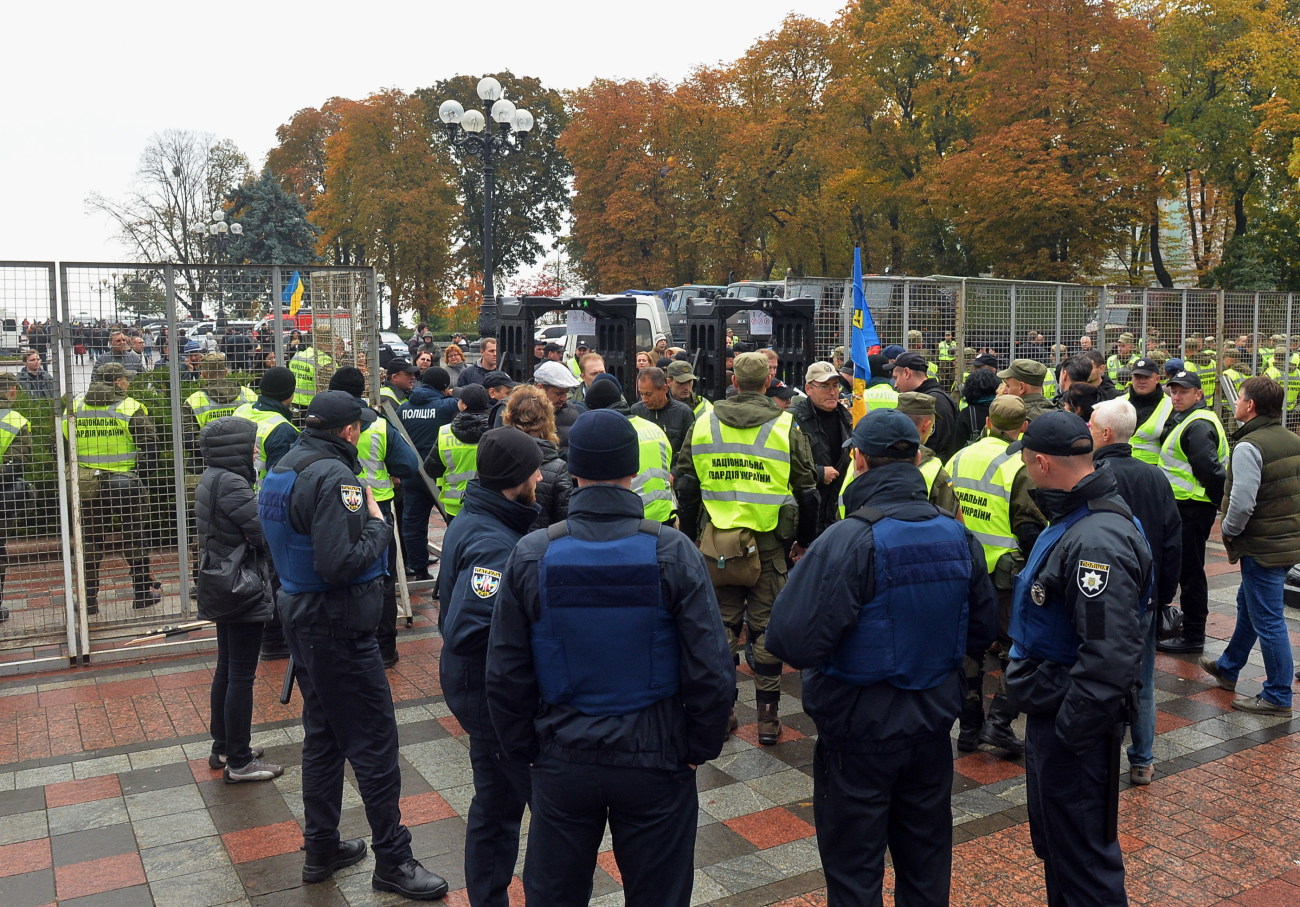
106, 797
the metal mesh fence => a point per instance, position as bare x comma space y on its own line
137, 358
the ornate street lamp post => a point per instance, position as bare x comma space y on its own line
216, 232
468, 130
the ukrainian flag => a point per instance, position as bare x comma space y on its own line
292, 295
863, 340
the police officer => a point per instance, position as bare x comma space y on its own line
117, 452
274, 436
313, 366
938, 483
384, 456
608, 670
452, 462
1194, 456
654, 480
428, 409
750, 469
327, 537
1151, 407
1122, 357
1024, 379
1074, 659
400, 382
882, 766
989, 478
15, 455
500, 505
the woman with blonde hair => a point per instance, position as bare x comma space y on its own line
453, 360
643, 360
531, 412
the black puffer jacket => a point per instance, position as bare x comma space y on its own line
555, 487
225, 508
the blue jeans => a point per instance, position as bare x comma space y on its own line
1260, 616
1143, 731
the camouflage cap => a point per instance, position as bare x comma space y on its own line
214, 358
1126, 337
7, 380
109, 371
914, 403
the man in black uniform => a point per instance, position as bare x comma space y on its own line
882, 766
500, 505
1076, 643
608, 670
328, 540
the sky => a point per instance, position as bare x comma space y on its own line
87, 85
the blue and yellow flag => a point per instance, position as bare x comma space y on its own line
292, 295
863, 341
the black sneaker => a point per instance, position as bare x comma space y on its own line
968, 739
410, 880
318, 869
256, 770
217, 762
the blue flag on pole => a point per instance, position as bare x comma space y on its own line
864, 340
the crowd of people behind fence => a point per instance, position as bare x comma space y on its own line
914, 541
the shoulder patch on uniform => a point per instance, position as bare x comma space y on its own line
352, 497
485, 582
1093, 578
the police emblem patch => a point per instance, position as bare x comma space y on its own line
1092, 578
1038, 592
352, 497
485, 582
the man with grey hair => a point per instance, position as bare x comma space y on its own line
1148, 494
657, 405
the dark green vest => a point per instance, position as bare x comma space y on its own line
1272, 535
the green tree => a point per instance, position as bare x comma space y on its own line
531, 195
276, 229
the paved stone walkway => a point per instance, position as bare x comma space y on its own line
106, 797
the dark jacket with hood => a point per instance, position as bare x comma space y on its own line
687, 728
555, 487
820, 604
225, 508
468, 428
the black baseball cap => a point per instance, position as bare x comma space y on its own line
1184, 378
986, 359
1058, 434
335, 409
400, 365
1146, 367
498, 379
885, 433
781, 391
554, 347
910, 359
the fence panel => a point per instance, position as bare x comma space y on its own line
34, 545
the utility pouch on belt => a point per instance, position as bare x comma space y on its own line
732, 555
1006, 569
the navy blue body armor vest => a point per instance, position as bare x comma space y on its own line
604, 643
291, 551
912, 634
1045, 631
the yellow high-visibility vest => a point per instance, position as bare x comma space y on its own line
653, 484
982, 476
1177, 468
744, 473
460, 462
104, 439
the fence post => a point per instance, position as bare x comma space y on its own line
1219, 315
74, 586
82, 621
277, 315
907, 311
960, 332
178, 451
1182, 327
1058, 342
1011, 337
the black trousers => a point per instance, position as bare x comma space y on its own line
231, 697
865, 802
386, 633
501, 788
1067, 814
652, 816
347, 714
1194, 595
